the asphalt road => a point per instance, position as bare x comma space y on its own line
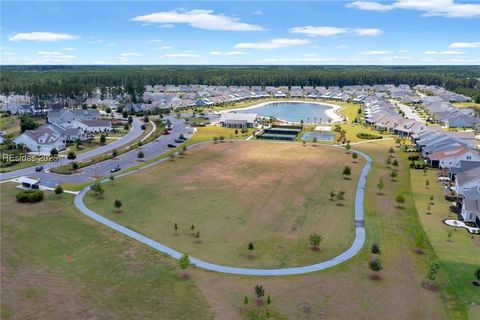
30, 171
349, 253
151, 150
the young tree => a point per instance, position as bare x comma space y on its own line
112, 178
97, 188
184, 262
259, 291
340, 195
215, 139
395, 163
427, 183
192, 227
431, 200
315, 240
433, 271
245, 300
380, 185
375, 264
103, 139
354, 156
117, 204
114, 153
146, 119
375, 249
348, 147
391, 150
172, 156
393, 174
54, 153
269, 300
477, 277
332, 195
71, 155
419, 242
314, 140
346, 171
140, 155
74, 166
236, 131
175, 227
130, 119
58, 189
389, 161
400, 199
197, 235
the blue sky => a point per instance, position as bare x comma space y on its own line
241, 32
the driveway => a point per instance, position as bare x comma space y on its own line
349, 253
127, 160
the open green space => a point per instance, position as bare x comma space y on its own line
58, 264
458, 251
272, 194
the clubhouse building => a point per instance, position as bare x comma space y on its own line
238, 120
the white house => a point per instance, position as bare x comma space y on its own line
238, 120
467, 185
42, 140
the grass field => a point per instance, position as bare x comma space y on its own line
56, 264
239, 192
460, 253
346, 291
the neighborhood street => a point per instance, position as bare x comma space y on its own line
126, 160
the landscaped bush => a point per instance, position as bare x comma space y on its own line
31, 196
368, 136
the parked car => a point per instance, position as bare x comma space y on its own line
116, 168
38, 168
171, 145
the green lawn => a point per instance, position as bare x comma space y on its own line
58, 264
459, 254
235, 193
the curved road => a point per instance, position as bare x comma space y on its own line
127, 160
349, 253
132, 135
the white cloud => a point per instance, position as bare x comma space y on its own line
464, 45
371, 6
342, 46
42, 36
446, 52
444, 8
227, 53
272, 44
164, 48
154, 41
324, 31
200, 19
130, 54
369, 32
69, 49
321, 31
54, 57
180, 55
166, 26
95, 41
257, 12
376, 52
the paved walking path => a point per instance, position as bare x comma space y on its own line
349, 253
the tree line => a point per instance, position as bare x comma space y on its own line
75, 81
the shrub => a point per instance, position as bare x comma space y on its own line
71, 155
58, 189
74, 166
31, 196
368, 136
375, 248
375, 265
143, 127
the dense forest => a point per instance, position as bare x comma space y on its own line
71, 81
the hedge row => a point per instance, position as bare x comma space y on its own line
369, 136
31, 196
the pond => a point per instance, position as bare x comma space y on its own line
292, 111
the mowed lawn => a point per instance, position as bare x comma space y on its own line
58, 264
272, 194
459, 253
